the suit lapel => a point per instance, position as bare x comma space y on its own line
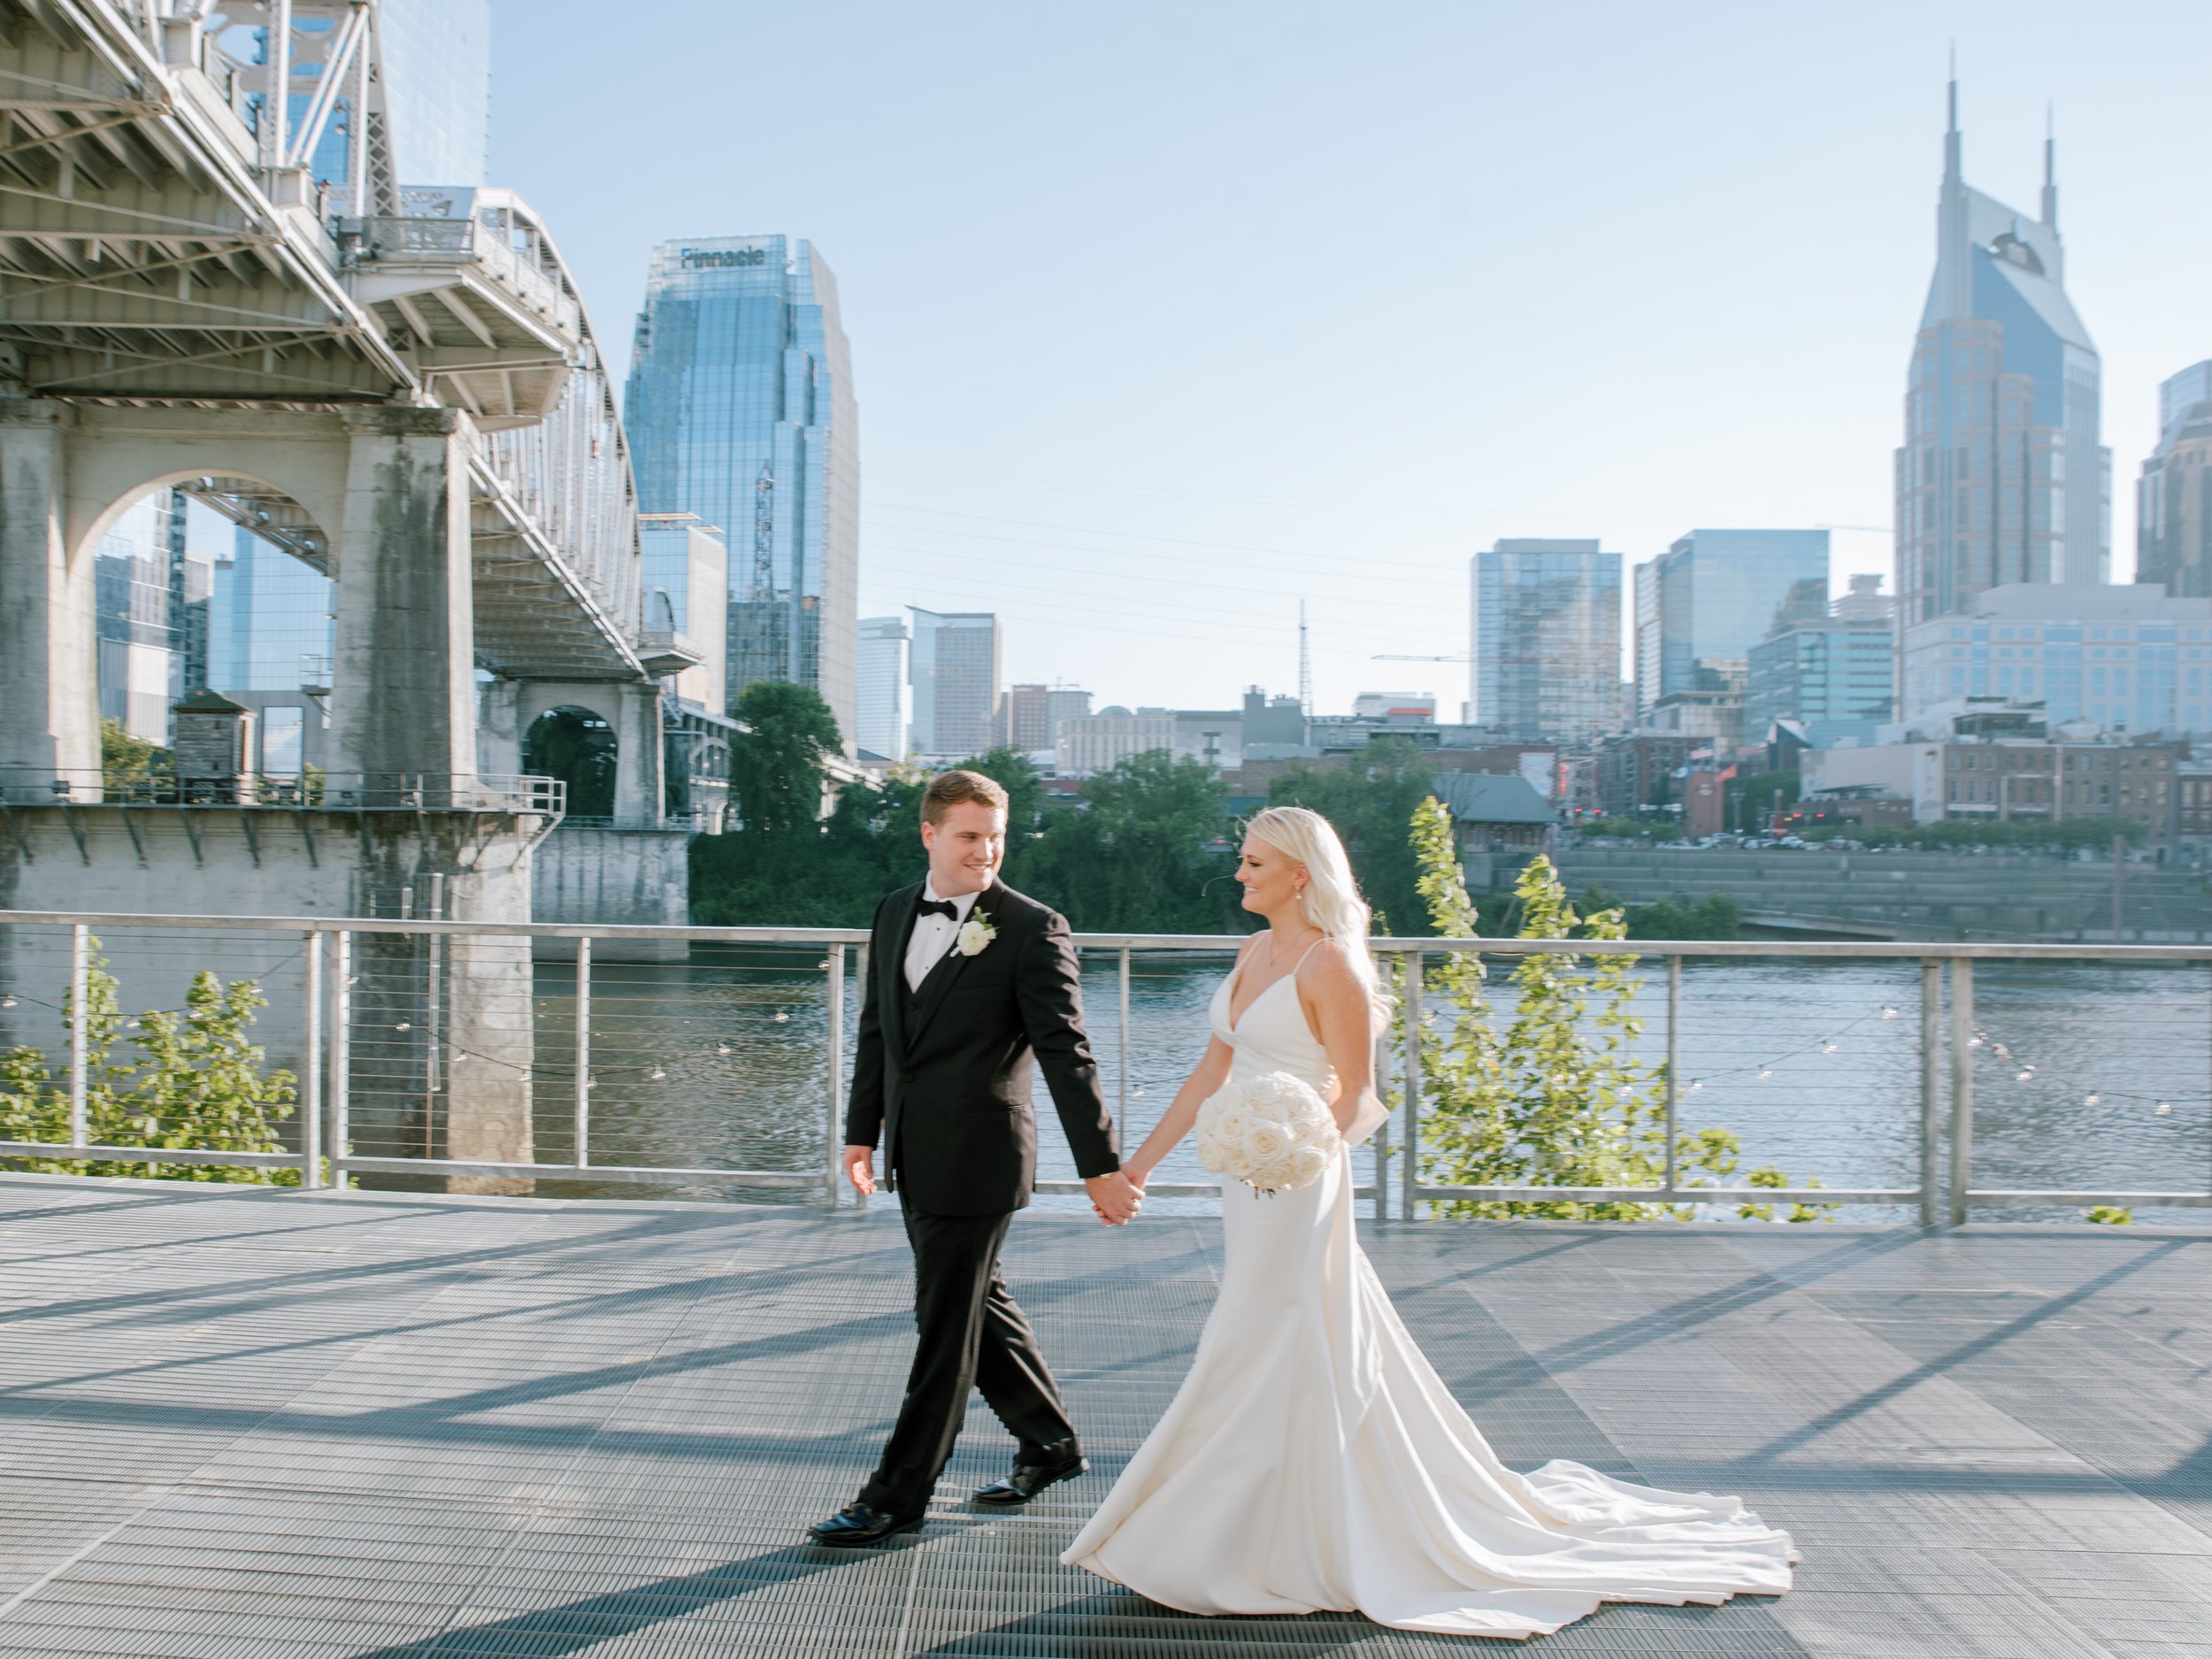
949, 966
891, 970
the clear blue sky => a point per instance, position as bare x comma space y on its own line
1163, 315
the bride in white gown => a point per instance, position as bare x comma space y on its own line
1313, 1459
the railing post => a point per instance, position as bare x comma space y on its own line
583, 1051
1931, 1087
1382, 1129
80, 1013
1674, 1055
860, 978
1961, 1085
836, 975
341, 1049
1410, 1176
1121, 1107
311, 1063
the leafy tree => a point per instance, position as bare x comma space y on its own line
779, 762
1750, 798
1370, 805
198, 1082
1558, 1098
1716, 916
129, 764
1146, 854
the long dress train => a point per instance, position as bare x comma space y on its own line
1313, 1459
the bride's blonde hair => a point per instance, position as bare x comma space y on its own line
1330, 900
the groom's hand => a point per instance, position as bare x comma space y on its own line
1114, 1197
860, 1167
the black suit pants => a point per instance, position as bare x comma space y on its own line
972, 1336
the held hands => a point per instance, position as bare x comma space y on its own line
1115, 1197
860, 1167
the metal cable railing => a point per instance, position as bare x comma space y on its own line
1936, 1079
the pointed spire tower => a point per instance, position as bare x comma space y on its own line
2001, 478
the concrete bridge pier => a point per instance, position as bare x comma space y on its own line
379, 497
49, 710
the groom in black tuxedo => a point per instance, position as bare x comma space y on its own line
970, 985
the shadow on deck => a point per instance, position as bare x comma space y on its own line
249, 1423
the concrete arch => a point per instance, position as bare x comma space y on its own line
114, 457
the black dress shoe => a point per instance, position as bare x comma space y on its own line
859, 1524
1028, 1479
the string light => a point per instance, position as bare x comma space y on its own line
721, 1048
1766, 1070
7, 1001
2163, 1108
403, 1026
1827, 1047
1889, 1013
657, 1074
782, 1018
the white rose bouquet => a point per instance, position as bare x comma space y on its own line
1270, 1132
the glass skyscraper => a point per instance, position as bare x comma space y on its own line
2001, 478
1547, 637
741, 408
2173, 500
1713, 595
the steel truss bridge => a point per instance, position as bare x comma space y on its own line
198, 210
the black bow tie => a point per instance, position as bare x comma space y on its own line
945, 907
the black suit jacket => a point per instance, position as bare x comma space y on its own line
944, 1082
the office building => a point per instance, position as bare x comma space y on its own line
2173, 500
1711, 596
2019, 771
1027, 723
1828, 667
685, 571
954, 671
739, 409
880, 724
2126, 658
1546, 640
2001, 478
1093, 742
437, 81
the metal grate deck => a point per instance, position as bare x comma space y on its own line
252, 1424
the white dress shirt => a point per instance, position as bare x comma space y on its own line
933, 936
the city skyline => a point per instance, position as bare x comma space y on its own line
1085, 364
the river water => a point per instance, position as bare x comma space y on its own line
720, 1062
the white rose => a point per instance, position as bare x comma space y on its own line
1265, 1142
1307, 1166
975, 932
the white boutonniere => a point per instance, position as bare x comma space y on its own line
975, 933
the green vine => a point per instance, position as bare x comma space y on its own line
1558, 1098
195, 1082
